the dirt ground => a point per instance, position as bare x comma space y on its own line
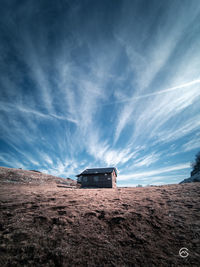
48, 225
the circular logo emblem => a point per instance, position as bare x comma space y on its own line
183, 252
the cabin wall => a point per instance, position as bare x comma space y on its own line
114, 180
98, 180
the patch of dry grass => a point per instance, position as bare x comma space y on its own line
51, 226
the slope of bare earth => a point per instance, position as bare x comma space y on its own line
19, 176
48, 225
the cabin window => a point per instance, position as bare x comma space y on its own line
85, 179
96, 178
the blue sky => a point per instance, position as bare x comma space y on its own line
88, 84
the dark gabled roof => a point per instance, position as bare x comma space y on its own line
98, 170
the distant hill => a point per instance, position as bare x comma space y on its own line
19, 176
192, 179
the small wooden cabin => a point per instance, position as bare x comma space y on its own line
98, 178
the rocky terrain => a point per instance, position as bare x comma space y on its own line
42, 224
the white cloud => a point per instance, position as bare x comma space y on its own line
11, 161
139, 175
192, 144
45, 158
147, 160
164, 91
27, 111
144, 107
65, 168
185, 128
153, 78
103, 152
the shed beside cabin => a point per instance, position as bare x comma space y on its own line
98, 177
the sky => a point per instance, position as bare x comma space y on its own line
87, 84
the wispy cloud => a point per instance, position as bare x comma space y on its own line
157, 111
135, 98
25, 110
185, 127
151, 173
147, 160
103, 152
154, 58
113, 87
62, 168
192, 144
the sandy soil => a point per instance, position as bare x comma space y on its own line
51, 226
